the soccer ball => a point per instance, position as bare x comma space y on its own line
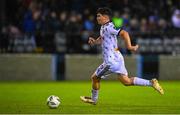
53, 101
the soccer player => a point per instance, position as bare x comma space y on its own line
113, 59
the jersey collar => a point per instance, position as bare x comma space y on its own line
107, 23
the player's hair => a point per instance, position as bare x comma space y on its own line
105, 11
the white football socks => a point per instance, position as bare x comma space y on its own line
94, 95
142, 82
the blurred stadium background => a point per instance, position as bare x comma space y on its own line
46, 40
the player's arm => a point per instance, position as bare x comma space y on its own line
93, 41
125, 35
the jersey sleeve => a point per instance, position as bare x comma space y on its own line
114, 31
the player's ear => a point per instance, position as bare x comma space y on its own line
106, 16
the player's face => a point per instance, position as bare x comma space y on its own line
101, 19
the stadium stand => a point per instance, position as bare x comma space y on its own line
63, 26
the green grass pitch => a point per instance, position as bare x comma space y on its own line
30, 97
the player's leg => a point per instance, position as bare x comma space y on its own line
128, 81
125, 80
95, 87
94, 93
96, 77
140, 82
101, 71
95, 82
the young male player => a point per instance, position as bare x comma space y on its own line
113, 60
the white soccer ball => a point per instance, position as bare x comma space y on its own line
53, 101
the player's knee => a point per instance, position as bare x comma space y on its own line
94, 78
127, 83
125, 80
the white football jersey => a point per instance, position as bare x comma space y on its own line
113, 59
109, 44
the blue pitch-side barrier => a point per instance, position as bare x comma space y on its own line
148, 66
58, 67
139, 66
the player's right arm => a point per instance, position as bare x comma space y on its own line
93, 41
125, 35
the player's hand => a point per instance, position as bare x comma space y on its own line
134, 48
91, 41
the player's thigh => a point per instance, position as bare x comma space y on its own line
102, 70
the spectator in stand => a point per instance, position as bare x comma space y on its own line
176, 19
53, 22
162, 24
134, 24
153, 20
29, 24
73, 29
88, 23
29, 27
4, 41
143, 25
88, 28
63, 20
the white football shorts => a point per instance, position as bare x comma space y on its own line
106, 69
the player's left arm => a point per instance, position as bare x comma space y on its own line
125, 36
